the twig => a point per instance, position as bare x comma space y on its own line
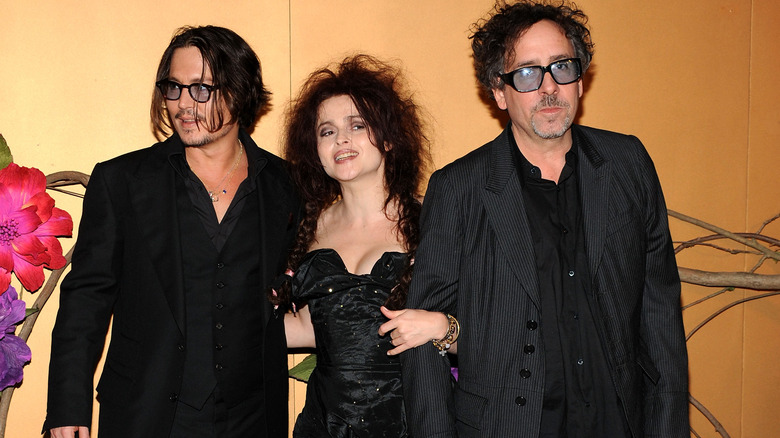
718, 427
733, 236
728, 306
767, 222
699, 240
712, 295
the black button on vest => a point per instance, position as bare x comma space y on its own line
200, 259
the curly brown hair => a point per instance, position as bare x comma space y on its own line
392, 118
494, 38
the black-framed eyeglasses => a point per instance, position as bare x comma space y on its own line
530, 78
171, 90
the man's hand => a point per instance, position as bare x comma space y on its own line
70, 432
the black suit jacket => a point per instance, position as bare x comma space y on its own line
127, 263
476, 260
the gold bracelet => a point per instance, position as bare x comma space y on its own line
450, 337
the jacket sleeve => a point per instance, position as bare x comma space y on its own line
87, 296
426, 374
661, 326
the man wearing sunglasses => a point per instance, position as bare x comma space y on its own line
550, 245
177, 242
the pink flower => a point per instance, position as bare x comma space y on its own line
14, 352
29, 227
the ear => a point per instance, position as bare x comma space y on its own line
580, 87
498, 94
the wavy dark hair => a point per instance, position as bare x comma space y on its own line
235, 70
392, 118
493, 39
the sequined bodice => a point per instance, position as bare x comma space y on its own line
355, 391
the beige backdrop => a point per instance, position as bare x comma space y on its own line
696, 81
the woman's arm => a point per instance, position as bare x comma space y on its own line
298, 329
411, 328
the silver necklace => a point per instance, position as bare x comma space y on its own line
214, 194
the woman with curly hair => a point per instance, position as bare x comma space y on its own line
357, 149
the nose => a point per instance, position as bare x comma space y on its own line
549, 86
185, 100
342, 137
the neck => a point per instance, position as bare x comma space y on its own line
362, 201
549, 155
220, 154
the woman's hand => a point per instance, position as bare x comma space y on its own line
410, 328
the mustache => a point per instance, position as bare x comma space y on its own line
190, 113
549, 101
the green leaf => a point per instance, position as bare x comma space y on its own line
303, 370
30, 311
5, 153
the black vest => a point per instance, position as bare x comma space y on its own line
217, 286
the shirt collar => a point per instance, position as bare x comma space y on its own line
528, 171
179, 163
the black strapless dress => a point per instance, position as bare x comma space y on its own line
355, 390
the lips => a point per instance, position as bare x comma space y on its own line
345, 155
188, 118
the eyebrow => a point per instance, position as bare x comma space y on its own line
349, 117
550, 60
200, 80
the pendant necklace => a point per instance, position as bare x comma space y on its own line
214, 194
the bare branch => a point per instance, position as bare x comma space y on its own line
727, 307
767, 222
733, 236
712, 295
699, 240
743, 280
718, 427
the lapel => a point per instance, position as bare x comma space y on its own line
503, 199
275, 215
594, 176
153, 199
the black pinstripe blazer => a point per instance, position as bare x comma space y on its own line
476, 261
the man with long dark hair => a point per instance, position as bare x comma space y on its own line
177, 242
551, 246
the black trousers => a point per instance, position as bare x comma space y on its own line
217, 420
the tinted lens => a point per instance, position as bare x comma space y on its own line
200, 93
527, 78
530, 78
170, 90
566, 71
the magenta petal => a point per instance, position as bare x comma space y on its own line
31, 276
54, 250
27, 219
59, 224
6, 202
6, 260
23, 181
5, 282
43, 203
29, 247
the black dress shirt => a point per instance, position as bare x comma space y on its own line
580, 400
217, 231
